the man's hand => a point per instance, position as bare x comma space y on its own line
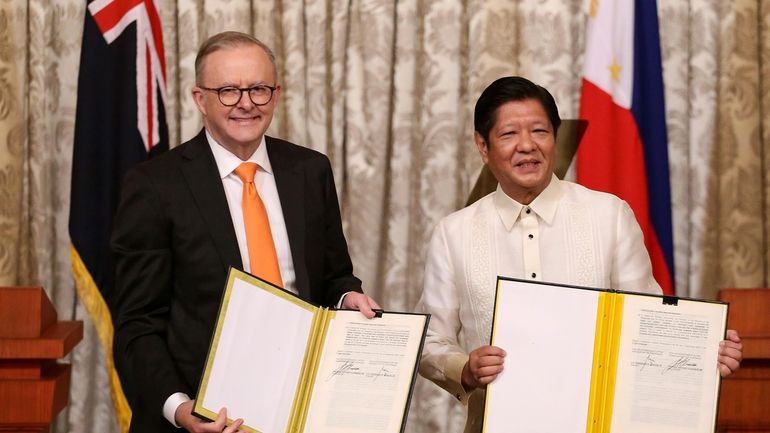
483, 366
193, 424
360, 302
730, 353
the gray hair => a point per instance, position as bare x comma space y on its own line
226, 40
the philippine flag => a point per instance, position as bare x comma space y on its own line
625, 149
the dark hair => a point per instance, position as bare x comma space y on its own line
509, 89
226, 40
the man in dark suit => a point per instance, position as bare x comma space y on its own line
180, 225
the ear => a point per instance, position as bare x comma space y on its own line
199, 98
481, 144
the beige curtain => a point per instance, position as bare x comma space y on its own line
386, 89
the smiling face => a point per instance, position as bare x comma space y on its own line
240, 128
521, 149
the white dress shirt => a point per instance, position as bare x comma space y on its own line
568, 234
264, 180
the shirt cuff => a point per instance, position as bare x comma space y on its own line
172, 404
342, 298
454, 372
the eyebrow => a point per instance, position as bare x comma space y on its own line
525, 123
259, 83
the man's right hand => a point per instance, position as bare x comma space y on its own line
193, 424
483, 366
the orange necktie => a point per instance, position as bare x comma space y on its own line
259, 239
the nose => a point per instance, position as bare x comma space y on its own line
526, 143
245, 101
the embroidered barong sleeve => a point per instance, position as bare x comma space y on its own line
631, 267
443, 358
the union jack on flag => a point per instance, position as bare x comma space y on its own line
112, 17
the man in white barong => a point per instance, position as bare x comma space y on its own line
534, 226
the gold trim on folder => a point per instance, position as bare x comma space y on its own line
214, 344
298, 407
326, 317
491, 341
609, 320
612, 364
232, 276
598, 370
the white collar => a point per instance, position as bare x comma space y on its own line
227, 162
544, 205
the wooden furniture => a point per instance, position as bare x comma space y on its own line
744, 401
33, 386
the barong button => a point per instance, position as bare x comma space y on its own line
528, 210
531, 236
534, 275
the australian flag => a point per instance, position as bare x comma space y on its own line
120, 121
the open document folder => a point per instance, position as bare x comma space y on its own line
591, 360
285, 365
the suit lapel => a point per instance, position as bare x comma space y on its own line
290, 184
201, 173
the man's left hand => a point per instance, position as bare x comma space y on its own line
360, 302
730, 353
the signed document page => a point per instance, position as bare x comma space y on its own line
256, 355
366, 373
548, 333
667, 377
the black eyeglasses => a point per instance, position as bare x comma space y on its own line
230, 96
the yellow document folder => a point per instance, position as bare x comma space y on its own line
603, 361
285, 365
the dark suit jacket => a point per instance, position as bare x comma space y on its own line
174, 240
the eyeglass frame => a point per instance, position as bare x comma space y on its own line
248, 90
